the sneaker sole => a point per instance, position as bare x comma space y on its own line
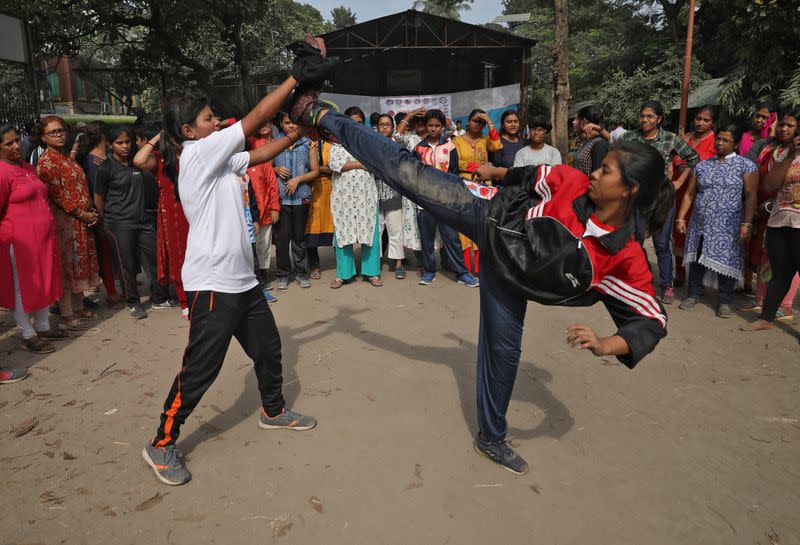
159, 476
479, 451
264, 426
468, 285
13, 380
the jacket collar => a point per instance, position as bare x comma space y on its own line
613, 241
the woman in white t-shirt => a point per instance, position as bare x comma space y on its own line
224, 296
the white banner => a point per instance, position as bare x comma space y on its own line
394, 105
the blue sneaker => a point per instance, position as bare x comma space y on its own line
427, 278
268, 296
468, 280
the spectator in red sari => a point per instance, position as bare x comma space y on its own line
702, 140
75, 218
765, 153
92, 151
29, 272
172, 229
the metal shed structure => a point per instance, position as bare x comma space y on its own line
412, 53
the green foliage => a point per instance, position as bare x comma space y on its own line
443, 8
756, 45
603, 37
621, 94
342, 17
225, 47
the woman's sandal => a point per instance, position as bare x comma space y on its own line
74, 324
37, 345
316, 274
85, 314
375, 281
783, 315
751, 305
56, 334
337, 283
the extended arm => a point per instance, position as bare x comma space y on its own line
774, 179
144, 160
686, 203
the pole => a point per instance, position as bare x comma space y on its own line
687, 71
561, 92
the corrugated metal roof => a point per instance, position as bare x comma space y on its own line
705, 93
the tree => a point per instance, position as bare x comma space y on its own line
342, 17
443, 8
621, 93
602, 36
764, 60
218, 46
663, 13
561, 93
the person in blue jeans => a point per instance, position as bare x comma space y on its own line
552, 236
441, 154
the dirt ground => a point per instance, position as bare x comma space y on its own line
699, 444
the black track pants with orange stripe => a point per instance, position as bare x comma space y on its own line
215, 318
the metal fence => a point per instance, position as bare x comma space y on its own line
18, 101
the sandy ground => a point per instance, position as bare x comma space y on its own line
699, 444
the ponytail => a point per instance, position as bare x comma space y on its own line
642, 166
183, 110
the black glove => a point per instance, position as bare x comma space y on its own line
310, 68
303, 49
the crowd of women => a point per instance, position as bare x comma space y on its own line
100, 206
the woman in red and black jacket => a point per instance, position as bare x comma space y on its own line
553, 236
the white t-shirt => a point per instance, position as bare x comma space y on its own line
219, 256
528, 156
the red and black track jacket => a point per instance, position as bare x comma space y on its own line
537, 236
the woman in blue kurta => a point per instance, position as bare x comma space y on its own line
721, 222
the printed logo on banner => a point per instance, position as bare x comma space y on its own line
395, 105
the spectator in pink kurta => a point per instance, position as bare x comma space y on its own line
29, 261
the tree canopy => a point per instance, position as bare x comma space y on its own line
342, 17
443, 8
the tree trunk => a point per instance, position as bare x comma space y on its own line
248, 99
561, 94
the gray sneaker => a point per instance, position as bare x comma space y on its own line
688, 303
502, 453
724, 311
288, 419
167, 463
282, 283
303, 281
137, 311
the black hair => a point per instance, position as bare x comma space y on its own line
591, 113
435, 114
387, 116
373, 119
6, 128
353, 110
277, 120
707, 108
182, 110
768, 104
475, 111
505, 115
795, 113
147, 130
95, 131
458, 121
115, 131
398, 117
540, 122
734, 130
655, 106
642, 166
